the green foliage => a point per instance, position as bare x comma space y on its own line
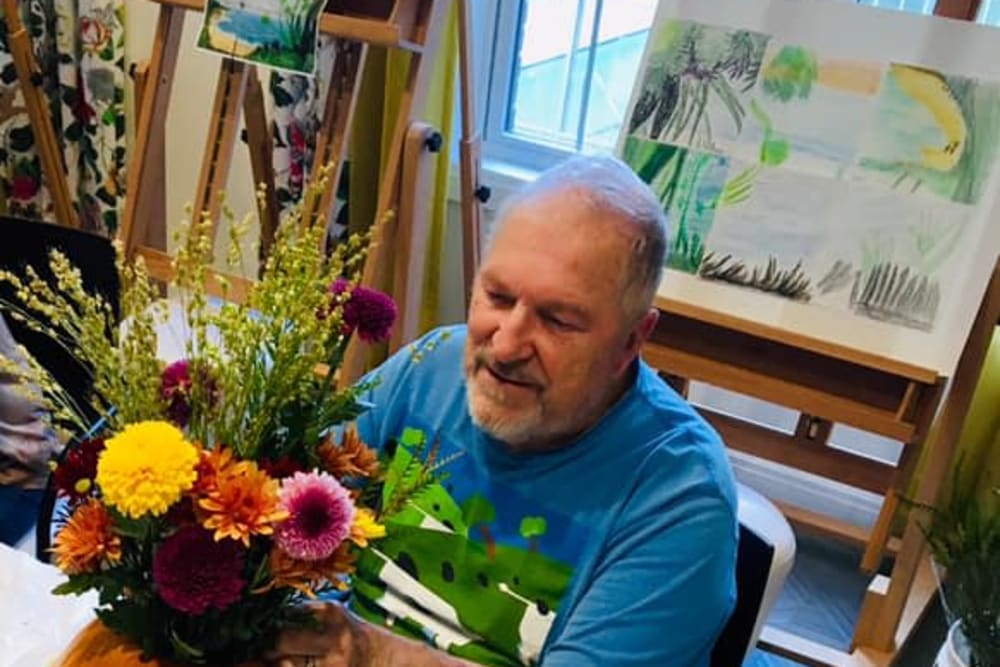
790, 74
411, 472
964, 536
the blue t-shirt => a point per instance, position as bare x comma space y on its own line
619, 549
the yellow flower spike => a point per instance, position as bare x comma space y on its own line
365, 528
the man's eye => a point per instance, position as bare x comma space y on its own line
557, 323
499, 298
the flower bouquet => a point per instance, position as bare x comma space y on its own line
226, 488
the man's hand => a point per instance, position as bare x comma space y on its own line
339, 641
344, 641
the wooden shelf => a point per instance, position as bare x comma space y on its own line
370, 31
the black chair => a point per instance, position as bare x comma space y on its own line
28, 243
764, 558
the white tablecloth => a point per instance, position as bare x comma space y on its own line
35, 625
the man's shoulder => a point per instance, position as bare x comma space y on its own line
686, 449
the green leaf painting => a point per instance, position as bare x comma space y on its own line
695, 86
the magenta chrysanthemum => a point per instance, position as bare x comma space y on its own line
192, 572
175, 388
368, 312
320, 516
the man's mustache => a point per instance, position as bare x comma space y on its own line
512, 371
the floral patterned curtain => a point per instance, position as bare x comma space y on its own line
80, 49
297, 112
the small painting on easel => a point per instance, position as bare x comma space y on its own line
274, 33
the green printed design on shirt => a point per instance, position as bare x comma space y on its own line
440, 576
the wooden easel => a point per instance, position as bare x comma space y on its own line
47, 145
828, 384
412, 26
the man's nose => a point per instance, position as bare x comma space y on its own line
511, 341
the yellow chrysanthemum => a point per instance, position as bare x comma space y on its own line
86, 542
145, 468
365, 528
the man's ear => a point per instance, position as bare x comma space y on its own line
637, 337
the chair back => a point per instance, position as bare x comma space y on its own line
28, 243
753, 564
763, 561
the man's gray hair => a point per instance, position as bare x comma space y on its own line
610, 188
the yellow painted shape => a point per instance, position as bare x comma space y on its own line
930, 89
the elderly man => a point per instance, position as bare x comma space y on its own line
584, 514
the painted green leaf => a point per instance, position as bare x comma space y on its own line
773, 152
533, 526
790, 74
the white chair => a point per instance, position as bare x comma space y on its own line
766, 554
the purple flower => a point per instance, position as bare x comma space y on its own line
192, 572
175, 388
368, 311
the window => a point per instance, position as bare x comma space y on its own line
562, 73
989, 12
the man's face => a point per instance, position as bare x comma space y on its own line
547, 344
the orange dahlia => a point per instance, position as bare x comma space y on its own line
306, 576
352, 458
244, 502
86, 541
211, 463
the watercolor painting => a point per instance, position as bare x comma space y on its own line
693, 90
809, 109
690, 185
768, 230
274, 33
893, 256
932, 134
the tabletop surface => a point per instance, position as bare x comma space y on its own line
35, 625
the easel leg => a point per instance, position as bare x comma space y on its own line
221, 140
880, 628
411, 231
49, 151
261, 144
469, 157
411, 101
155, 100
154, 204
879, 537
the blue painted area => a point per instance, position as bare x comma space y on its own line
249, 27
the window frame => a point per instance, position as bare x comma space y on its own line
500, 146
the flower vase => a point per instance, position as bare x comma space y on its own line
955, 649
98, 646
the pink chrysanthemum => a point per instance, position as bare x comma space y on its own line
192, 572
368, 312
320, 516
